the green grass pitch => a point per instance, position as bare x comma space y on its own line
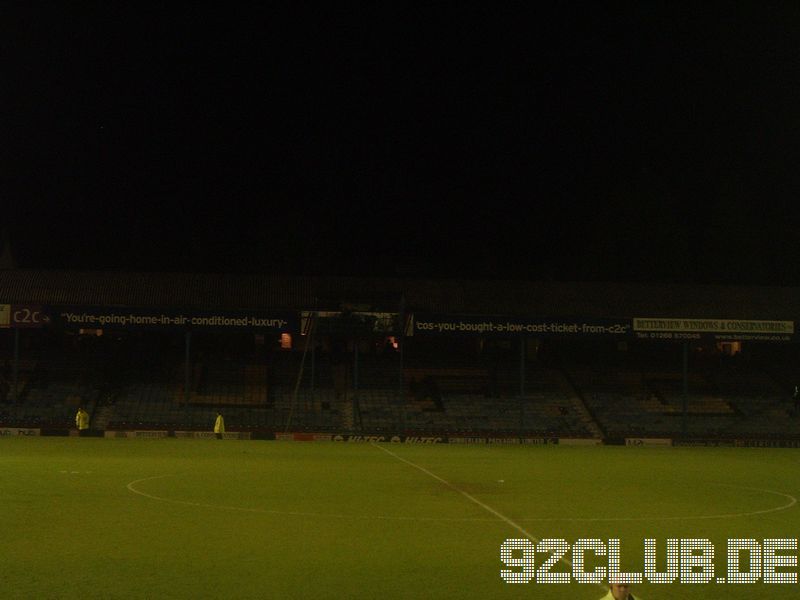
179, 518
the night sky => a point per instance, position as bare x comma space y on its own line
626, 142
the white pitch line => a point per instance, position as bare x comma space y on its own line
792, 502
483, 505
467, 495
528, 535
131, 487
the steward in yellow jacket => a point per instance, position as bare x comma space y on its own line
82, 421
219, 426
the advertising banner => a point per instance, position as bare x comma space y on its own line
675, 329
439, 324
579, 442
416, 439
14, 431
648, 441
83, 317
29, 316
139, 433
718, 329
767, 443
210, 435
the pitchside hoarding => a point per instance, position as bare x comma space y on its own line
398, 438
17, 431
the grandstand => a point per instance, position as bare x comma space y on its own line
393, 357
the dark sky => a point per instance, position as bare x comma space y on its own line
640, 141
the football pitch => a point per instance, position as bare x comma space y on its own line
189, 518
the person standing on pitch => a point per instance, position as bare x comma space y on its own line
619, 591
82, 421
219, 426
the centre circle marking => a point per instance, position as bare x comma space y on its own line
792, 501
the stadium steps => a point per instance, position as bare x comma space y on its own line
568, 386
586, 417
348, 416
102, 416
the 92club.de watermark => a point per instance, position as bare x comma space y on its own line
676, 560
